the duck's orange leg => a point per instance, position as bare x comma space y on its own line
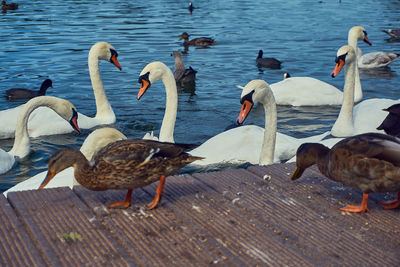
392, 204
124, 204
157, 197
362, 208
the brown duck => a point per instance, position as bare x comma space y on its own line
11, 6
201, 41
369, 162
125, 164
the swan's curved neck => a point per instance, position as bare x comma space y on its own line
103, 107
21, 145
268, 146
353, 42
344, 124
171, 107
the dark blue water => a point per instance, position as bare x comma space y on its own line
51, 39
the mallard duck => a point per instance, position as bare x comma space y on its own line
11, 6
391, 124
125, 164
395, 33
22, 93
182, 75
268, 62
369, 162
201, 41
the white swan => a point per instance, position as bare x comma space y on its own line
44, 121
368, 114
252, 143
308, 91
357, 33
151, 73
21, 147
95, 141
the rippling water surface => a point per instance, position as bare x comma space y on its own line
51, 39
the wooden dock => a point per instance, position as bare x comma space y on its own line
241, 217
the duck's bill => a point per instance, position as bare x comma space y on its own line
180, 38
144, 85
298, 172
47, 179
114, 61
338, 68
244, 112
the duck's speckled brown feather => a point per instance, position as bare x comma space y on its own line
370, 162
124, 164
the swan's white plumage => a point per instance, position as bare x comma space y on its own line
252, 143
44, 121
21, 147
159, 71
95, 141
305, 91
367, 115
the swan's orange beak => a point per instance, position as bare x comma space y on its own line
367, 40
245, 110
47, 179
339, 65
114, 61
144, 84
74, 121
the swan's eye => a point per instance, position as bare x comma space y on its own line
341, 57
248, 97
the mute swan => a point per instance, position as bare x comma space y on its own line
21, 146
93, 142
252, 143
368, 114
308, 91
151, 73
43, 121
375, 59
268, 62
357, 33
22, 93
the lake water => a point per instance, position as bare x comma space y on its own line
51, 39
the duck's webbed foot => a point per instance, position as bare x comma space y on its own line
392, 204
159, 192
362, 208
122, 204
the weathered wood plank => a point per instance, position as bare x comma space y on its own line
378, 227
244, 237
156, 237
52, 215
16, 246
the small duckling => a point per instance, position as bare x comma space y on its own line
268, 62
369, 162
11, 6
201, 41
22, 93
